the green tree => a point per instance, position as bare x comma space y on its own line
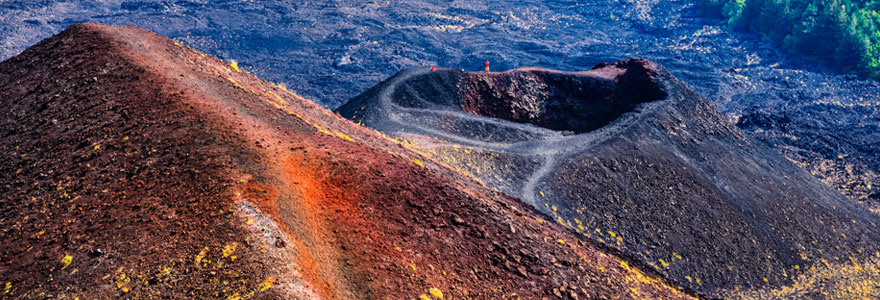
840, 33
733, 12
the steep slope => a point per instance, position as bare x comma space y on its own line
627, 155
140, 168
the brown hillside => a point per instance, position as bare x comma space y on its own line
139, 168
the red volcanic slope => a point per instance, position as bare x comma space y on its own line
140, 168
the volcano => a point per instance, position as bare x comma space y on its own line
627, 155
137, 167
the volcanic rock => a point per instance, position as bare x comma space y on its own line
137, 167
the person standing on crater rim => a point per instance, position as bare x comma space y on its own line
487, 66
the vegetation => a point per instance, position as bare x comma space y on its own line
843, 34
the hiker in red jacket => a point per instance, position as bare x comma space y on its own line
487, 66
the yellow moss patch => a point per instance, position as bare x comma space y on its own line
664, 263
341, 135
201, 256
278, 97
624, 264
66, 260
838, 281
266, 284
229, 249
234, 65
436, 293
418, 162
235, 83
166, 271
121, 281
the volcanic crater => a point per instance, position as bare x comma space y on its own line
628, 156
562, 101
